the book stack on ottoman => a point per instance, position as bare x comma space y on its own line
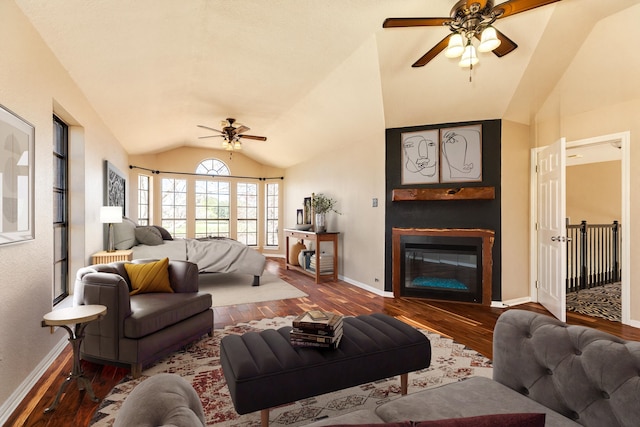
317, 328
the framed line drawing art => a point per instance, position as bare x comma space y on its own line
116, 187
420, 158
16, 178
461, 154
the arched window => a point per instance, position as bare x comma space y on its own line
213, 167
213, 201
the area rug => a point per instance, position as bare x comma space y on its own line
601, 301
232, 289
200, 365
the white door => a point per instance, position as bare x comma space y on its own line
552, 251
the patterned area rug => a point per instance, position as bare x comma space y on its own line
200, 365
602, 301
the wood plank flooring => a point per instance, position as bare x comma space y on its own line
468, 324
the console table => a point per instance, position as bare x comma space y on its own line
329, 236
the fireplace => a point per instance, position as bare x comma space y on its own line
443, 264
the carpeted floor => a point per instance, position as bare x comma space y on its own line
200, 365
232, 289
602, 301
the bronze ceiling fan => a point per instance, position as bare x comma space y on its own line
469, 19
231, 134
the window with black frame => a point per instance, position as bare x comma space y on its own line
60, 210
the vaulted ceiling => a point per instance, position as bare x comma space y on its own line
306, 74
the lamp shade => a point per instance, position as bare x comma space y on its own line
110, 214
488, 40
469, 56
455, 47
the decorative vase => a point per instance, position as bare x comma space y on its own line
295, 251
321, 224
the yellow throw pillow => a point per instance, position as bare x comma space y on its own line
149, 277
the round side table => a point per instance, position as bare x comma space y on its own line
79, 315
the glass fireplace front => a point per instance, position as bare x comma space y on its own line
442, 267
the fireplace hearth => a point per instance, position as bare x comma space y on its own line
443, 264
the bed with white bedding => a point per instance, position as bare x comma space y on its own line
214, 255
211, 255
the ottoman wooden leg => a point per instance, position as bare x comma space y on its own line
404, 383
264, 418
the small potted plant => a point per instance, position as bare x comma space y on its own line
322, 204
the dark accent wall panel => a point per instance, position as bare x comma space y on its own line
446, 213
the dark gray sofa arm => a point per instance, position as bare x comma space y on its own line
582, 373
183, 276
112, 291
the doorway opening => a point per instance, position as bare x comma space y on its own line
593, 210
607, 148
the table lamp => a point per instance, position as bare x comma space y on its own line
110, 215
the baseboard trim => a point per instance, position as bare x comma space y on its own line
20, 393
513, 302
369, 288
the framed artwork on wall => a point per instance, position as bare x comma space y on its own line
420, 158
16, 178
307, 210
116, 187
461, 154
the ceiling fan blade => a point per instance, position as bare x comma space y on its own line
257, 138
210, 136
506, 45
414, 22
512, 7
241, 128
432, 53
207, 127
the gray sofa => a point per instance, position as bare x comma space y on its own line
573, 374
139, 329
162, 400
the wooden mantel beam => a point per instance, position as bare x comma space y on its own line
453, 193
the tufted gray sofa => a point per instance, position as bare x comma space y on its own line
575, 375
162, 400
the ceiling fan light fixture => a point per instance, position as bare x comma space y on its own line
237, 145
469, 57
455, 47
488, 40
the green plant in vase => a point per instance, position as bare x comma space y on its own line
322, 204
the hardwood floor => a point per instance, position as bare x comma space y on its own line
468, 324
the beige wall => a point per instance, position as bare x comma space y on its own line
594, 193
354, 175
515, 211
34, 85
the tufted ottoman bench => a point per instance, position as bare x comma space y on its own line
264, 370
